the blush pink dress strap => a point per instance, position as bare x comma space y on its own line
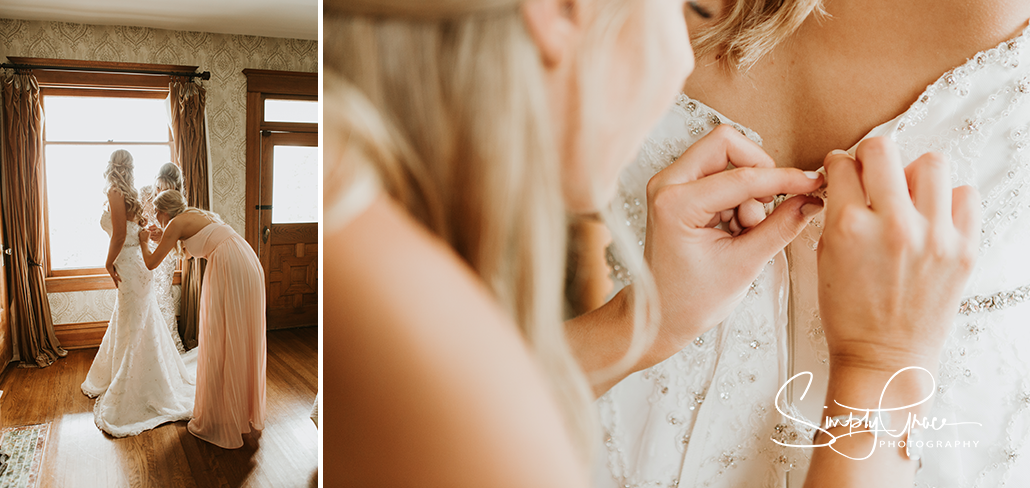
231, 362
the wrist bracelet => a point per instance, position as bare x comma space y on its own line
914, 452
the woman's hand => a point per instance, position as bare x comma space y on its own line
114, 274
155, 233
891, 271
702, 272
897, 247
144, 235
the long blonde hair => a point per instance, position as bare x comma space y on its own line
119, 175
447, 101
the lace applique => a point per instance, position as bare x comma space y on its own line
674, 398
1013, 363
1007, 201
795, 430
1006, 54
817, 337
749, 347
702, 119
964, 143
959, 349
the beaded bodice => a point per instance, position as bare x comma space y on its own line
706, 417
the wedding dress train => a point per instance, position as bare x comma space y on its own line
707, 417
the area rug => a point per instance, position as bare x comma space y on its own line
25, 446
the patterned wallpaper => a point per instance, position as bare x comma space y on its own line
225, 56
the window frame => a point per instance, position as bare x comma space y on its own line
100, 84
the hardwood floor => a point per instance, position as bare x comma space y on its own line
78, 454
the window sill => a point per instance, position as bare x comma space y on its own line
64, 284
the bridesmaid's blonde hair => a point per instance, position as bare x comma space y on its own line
446, 100
119, 175
173, 203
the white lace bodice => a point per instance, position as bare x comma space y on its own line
705, 417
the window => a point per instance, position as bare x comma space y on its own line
295, 184
88, 115
300, 111
79, 135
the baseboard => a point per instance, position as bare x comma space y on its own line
289, 326
83, 335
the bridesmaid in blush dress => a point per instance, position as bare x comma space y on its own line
231, 362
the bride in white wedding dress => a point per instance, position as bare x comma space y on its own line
706, 416
138, 377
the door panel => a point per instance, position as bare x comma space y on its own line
293, 275
288, 249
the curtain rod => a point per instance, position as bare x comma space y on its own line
204, 76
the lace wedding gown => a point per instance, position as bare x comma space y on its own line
706, 416
138, 377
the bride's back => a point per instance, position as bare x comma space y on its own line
843, 74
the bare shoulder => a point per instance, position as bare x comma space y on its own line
114, 194
187, 224
433, 384
957, 26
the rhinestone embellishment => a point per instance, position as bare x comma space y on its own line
997, 301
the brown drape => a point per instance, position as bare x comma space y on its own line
22, 198
189, 151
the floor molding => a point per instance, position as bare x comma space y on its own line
84, 335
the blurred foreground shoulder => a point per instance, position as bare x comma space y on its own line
426, 380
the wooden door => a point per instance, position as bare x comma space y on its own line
288, 241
